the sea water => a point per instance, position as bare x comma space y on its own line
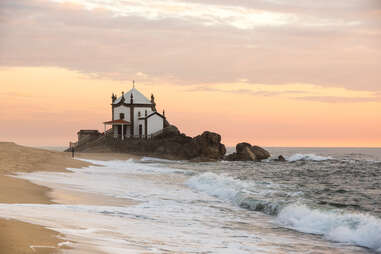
319, 201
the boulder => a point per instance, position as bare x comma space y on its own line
231, 157
260, 153
171, 144
247, 152
281, 158
244, 152
208, 146
240, 147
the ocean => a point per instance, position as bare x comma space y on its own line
322, 200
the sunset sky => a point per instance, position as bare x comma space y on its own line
269, 72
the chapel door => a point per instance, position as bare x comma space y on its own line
125, 131
119, 130
140, 130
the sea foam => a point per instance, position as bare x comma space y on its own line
308, 157
222, 187
248, 195
153, 159
358, 229
353, 228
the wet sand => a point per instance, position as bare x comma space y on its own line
19, 237
106, 156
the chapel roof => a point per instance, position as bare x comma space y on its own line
139, 98
153, 113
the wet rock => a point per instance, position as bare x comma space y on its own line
260, 153
247, 152
281, 158
209, 146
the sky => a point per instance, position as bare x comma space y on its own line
268, 72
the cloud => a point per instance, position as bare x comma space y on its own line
238, 14
246, 91
324, 8
338, 99
309, 93
196, 46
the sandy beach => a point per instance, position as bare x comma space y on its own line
20, 237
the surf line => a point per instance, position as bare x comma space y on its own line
33, 247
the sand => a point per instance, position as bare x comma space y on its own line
106, 156
18, 237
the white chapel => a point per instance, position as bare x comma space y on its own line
135, 116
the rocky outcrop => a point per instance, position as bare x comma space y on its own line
260, 153
208, 146
243, 153
247, 152
168, 132
281, 158
204, 147
170, 144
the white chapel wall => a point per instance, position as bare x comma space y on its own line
155, 123
136, 117
122, 109
142, 122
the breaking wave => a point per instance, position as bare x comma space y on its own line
238, 192
358, 229
222, 187
353, 228
308, 157
152, 159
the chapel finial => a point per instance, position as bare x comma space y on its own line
163, 113
113, 97
153, 102
122, 98
133, 83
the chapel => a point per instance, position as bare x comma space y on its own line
135, 116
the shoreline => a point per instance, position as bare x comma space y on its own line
104, 156
21, 237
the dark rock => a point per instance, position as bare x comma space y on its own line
208, 146
281, 158
170, 131
231, 157
246, 152
260, 153
170, 144
240, 147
